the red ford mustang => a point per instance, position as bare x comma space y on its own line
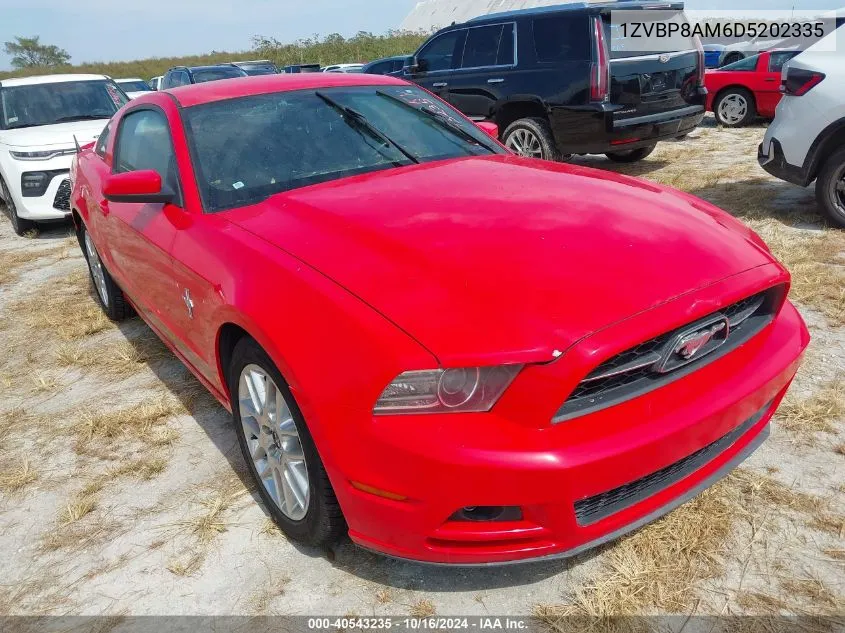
454, 354
739, 92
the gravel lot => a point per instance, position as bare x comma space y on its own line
122, 491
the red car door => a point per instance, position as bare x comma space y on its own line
139, 236
770, 94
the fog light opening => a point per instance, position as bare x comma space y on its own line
480, 514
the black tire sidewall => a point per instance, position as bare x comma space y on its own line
750, 113
321, 524
632, 156
117, 309
826, 196
541, 129
19, 225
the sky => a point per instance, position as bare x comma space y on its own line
115, 30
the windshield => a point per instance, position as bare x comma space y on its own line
50, 103
214, 74
134, 86
250, 148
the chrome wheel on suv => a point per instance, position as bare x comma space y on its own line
525, 143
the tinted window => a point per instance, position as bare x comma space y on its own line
258, 70
134, 86
439, 54
506, 56
46, 104
398, 65
749, 63
250, 148
143, 142
482, 46
621, 47
215, 74
561, 39
777, 60
380, 69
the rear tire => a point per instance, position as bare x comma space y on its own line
531, 138
109, 294
631, 156
830, 188
19, 225
280, 445
735, 107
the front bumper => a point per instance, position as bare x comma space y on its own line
771, 158
54, 203
443, 463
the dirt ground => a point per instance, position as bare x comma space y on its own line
122, 490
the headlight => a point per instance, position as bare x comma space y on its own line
44, 155
467, 389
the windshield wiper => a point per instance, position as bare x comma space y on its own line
438, 116
81, 117
352, 115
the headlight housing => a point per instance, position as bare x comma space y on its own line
42, 155
459, 390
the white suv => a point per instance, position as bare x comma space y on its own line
806, 141
39, 119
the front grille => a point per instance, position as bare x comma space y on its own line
62, 199
637, 371
601, 506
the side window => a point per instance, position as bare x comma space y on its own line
749, 63
398, 65
439, 54
507, 53
482, 46
777, 60
143, 142
103, 141
561, 39
381, 69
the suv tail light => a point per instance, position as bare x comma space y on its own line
797, 81
600, 69
699, 47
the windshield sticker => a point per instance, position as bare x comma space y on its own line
115, 95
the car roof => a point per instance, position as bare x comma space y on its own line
212, 91
128, 79
49, 79
194, 69
578, 6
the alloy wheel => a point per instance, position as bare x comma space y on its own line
525, 143
98, 274
273, 441
733, 109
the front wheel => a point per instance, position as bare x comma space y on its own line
631, 156
109, 294
280, 451
830, 188
531, 138
19, 225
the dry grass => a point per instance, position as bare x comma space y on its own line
13, 262
145, 423
816, 414
186, 566
115, 359
16, 479
840, 449
260, 603
661, 566
423, 608
68, 309
384, 596
212, 519
77, 508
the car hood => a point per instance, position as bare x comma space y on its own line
503, 258
54, 136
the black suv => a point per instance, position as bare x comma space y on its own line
558, 81
183, 76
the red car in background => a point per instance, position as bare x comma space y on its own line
451, 353
739, 92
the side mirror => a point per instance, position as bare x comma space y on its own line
490, 128
143, 187
412, 65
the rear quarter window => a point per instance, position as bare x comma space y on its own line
561, 38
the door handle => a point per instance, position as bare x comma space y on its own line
440, 84
770, 79
495, 81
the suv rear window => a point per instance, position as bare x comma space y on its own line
617, 44
561, 39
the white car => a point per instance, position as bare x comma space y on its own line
39, 119
344, 68
806, 141
133, 87
155, 82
